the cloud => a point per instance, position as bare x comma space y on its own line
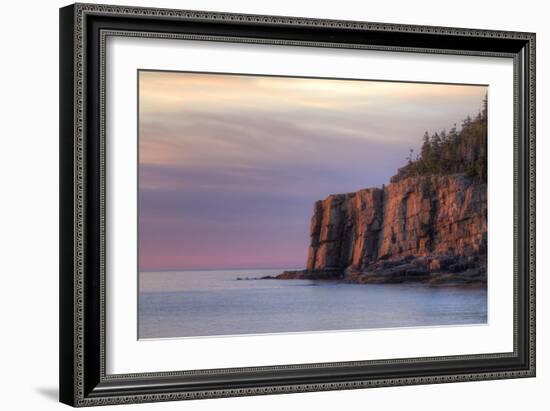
163, 92
231, 164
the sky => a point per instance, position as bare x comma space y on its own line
231, 165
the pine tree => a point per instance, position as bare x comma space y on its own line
463, 151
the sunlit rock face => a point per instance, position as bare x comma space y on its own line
426, 224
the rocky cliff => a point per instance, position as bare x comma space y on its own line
426, 228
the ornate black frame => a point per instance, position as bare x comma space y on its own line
83, 30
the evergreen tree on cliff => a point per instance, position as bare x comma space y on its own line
463, 151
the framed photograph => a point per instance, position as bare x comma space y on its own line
261, 204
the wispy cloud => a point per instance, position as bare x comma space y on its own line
224, 151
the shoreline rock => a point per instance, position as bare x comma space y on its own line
434, 270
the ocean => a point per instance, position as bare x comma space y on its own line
214, 303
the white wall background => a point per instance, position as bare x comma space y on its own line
29, 204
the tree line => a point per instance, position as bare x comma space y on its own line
455, 151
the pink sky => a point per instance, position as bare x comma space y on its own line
230, 165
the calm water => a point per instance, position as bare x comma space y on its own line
206, 303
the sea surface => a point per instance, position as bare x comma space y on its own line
210, 303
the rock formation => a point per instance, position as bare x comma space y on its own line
427, 228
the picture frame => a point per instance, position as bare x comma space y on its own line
84, 82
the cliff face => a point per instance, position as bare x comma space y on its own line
413, 227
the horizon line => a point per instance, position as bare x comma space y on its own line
219, 269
